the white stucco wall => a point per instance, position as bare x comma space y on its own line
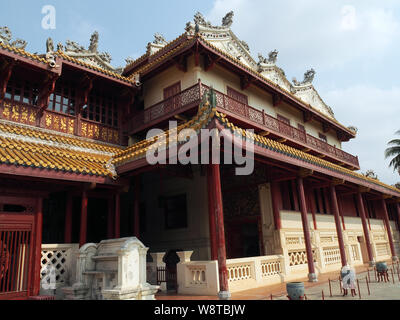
196, 236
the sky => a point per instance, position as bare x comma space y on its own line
353, 46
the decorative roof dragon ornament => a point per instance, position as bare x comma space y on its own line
308, 78
6, 36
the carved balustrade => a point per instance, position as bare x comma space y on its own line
191, 96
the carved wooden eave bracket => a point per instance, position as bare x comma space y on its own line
246, 81
277, 99
5, 74
181, 62
303, 172
363, 189
44, 94
308, 116
210, 61
336, 181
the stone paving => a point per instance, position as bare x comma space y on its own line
378, 290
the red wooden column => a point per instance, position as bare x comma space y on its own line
83, 227
136, 207
386, 217
398, 215
38, 246
361, 209
306, 230
211, 216
335, 209
68, 220
219, 223
110, 218
276, 198
117, 223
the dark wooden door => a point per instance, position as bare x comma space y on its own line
16, 255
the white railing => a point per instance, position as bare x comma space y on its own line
246, 273
61, 259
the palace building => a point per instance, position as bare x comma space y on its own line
73, 167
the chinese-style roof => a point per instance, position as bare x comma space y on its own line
23, 53
203, 118
37, 148
63, 55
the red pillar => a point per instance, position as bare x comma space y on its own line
275, 198
110, 219
306, 230
136, 207
312, 207
117, 225
398, 215
68, 220
389, 232
83, 227
211, 216
361, 209
38, 246
219, 222
335, 210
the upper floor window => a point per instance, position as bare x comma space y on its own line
22, 91
323, 137
101, 108
172, 90
237, 95
283, 119
63, 99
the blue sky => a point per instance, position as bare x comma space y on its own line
353, 45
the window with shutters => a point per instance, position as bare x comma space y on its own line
283, 119
240, 97
172, 90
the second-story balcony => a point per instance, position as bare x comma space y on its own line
243, 114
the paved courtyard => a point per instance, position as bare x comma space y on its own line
314, 291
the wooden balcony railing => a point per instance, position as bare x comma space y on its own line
190, 97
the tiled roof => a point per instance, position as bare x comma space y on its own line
35, 148
23, 53
93, 67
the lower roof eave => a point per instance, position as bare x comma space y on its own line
13, 170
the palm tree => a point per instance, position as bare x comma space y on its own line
394, 151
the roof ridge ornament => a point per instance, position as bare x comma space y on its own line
90, 55
6, 36
227, 20
308, 78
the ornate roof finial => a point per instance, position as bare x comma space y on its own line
308, 78
159, 39
94, 42
5, 37
49, 45
227, 20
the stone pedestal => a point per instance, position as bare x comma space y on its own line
112, 270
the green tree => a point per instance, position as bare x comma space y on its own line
394, 151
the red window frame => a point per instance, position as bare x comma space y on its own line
63, 100
172, 90
238, 96
283, 119
22, 91
101, 108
